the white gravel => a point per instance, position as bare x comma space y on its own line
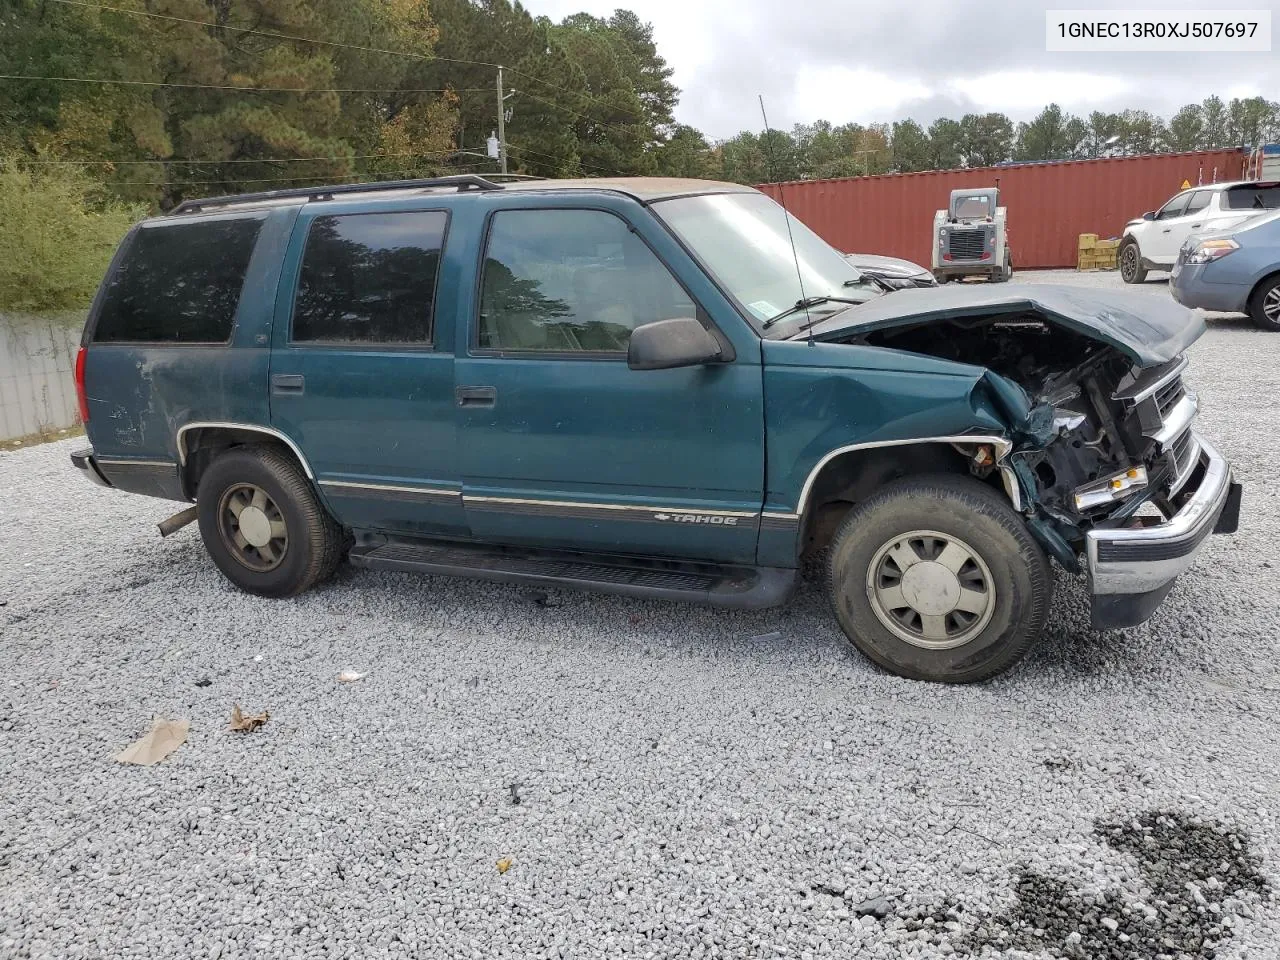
685, 780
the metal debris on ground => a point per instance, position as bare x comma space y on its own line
350, 676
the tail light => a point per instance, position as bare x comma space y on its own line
80, 394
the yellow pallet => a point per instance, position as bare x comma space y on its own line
1088, 241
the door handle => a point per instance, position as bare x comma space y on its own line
1167, 230
1194, 225
288, 383
476, 396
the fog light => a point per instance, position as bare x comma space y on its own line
1111, 488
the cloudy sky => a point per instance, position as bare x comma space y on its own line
883, 60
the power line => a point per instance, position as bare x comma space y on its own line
216, 86
348, 46
271, 33
192, 183
355, 156
547, 156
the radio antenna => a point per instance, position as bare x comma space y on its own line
786, 217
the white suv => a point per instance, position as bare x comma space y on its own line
1151, 242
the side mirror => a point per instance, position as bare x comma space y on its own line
665, 344
1149, 215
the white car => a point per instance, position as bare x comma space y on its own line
1152, 241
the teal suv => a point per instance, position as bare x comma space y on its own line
657, 388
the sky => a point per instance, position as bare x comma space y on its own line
880, 61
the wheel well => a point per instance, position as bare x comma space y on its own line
199, 446
1260, 284
854, 476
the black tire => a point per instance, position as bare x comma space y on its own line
1129, 259
1266, 297
313, 542
979, 519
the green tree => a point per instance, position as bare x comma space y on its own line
986, 139
1142, 132
1214, 112
911, 150
1186, 129
946, 143
686, 153
1052, 135
1101, 128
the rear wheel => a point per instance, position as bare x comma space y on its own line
936, 578
263, 524
1130, 259
1264, 305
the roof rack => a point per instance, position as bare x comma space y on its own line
463, 181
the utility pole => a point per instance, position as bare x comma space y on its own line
502, 125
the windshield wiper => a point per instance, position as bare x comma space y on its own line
805, 304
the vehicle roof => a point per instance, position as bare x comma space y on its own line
644, 189
1224, 184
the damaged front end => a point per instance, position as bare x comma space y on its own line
1112, 478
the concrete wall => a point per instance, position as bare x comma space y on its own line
37, 373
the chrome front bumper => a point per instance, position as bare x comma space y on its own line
1132, 568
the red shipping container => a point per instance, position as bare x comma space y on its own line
1049, 204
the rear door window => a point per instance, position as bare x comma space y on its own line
369, 278
1264, 196
178, 283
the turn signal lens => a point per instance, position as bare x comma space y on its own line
1208, 250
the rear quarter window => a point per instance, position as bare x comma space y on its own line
1256, 197
178, 283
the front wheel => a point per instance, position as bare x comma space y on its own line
1130, 257
936, 578
1264, 306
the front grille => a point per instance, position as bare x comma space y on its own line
1167, 396
966, 244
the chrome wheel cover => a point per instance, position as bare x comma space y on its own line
252, 527
931, 590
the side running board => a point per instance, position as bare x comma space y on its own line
734, 587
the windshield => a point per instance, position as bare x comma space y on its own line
972, 208
741, 238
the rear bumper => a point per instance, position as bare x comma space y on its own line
1190, 288
83, 461
1131, 569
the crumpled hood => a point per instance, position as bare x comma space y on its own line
1149, 328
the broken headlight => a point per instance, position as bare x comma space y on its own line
1110, 489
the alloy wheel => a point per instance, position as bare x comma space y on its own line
253, 527
1271, 305
931, 589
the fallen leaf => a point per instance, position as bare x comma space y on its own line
164, 737
504, 865
244, 724
350, 676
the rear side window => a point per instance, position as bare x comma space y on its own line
179, 283
369, 278
1258, 197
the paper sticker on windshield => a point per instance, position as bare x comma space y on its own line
764, 308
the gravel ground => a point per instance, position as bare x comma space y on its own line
666, 781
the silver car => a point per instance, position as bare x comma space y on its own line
1235, 270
